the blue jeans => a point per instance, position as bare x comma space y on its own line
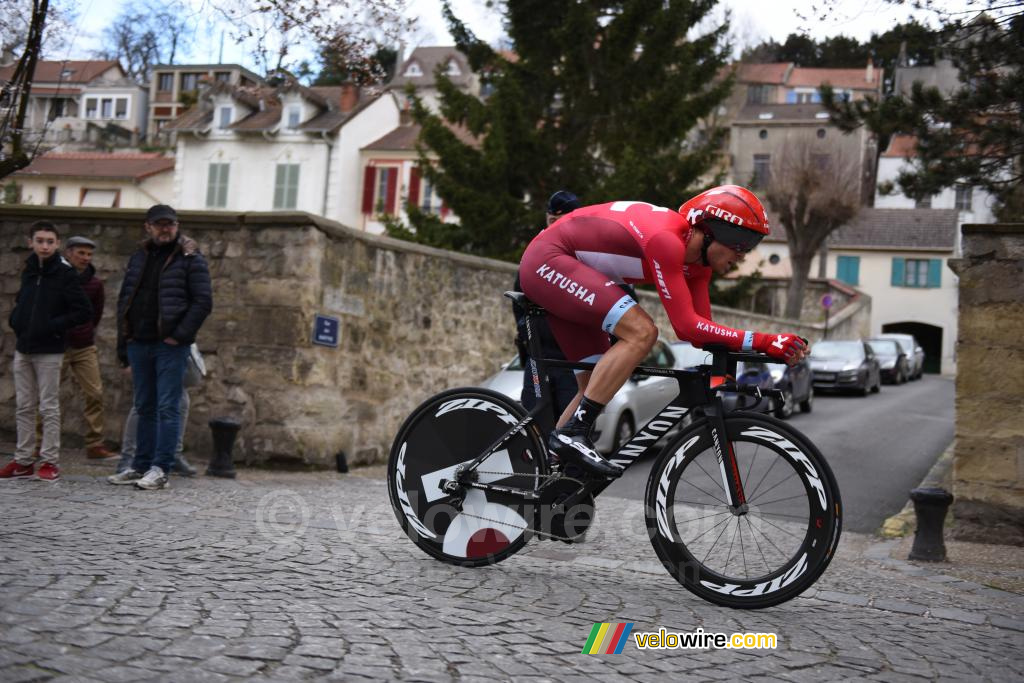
158, 372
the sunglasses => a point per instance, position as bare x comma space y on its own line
739, 239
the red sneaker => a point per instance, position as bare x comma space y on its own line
13, 470
48, 472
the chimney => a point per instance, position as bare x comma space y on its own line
349, 97
869, 72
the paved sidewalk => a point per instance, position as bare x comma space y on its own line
283, 576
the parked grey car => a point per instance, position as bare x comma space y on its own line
915, 354
633, 405
845, 365
893, 361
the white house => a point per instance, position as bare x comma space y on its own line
898, 257
973, 203
127, 181
284, 148
82, 102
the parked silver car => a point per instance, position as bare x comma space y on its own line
915, 354
633, 405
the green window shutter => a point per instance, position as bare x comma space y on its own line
279, 179
222, 195
897, 272
211, 185
935, 272
292, 184
848, 269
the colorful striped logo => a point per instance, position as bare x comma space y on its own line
607, 639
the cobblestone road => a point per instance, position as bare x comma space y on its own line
302, 576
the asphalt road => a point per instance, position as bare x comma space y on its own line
879, 446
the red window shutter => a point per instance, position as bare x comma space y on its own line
391, 207
414, 186
444, 209
368, 182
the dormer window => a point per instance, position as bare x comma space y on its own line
224, 117
66, 73
453, 68
294, 116
413, 71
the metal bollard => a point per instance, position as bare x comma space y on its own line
224, 430
930, 506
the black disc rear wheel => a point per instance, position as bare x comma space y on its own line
472, 527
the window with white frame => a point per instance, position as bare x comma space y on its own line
286, 186
430, 202
224, 117
217, 186
107, 107
963, 197
453, 68
294, 116
189, 82
413, 71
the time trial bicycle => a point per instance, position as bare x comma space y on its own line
741, 508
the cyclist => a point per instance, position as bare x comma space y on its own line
574, 267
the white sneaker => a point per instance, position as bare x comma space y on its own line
128, 476
153, 480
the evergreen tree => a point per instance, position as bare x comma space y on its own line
599, 98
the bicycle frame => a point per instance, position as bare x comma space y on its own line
694, 390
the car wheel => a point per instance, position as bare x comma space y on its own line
784, 409
878, 385
899, 377
807, 403
624, 430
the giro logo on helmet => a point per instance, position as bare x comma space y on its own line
724, 215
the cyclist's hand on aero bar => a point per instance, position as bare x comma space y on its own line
789, 348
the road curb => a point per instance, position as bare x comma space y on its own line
904, 522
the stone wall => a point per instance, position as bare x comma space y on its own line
988, 465
413, 321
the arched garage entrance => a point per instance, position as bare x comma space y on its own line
928, 336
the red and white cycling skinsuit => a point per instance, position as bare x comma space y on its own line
572, 269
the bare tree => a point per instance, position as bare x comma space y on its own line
352, 30
148, 34
14, 154
814, 190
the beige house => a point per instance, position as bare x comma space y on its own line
174, 88
128, 181
897, 257
82, 103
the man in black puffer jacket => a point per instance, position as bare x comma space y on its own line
164, 299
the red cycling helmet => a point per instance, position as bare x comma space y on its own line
729, 214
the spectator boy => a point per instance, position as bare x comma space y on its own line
164, 299
49, 303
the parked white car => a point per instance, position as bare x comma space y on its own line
633, 405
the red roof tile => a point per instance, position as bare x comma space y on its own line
50, 71
98, 165
901, 147
839, 78
763, 73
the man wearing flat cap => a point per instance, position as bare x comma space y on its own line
82, 357
164, 299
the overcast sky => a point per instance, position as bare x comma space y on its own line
752, 22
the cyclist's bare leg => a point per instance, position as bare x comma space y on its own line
637, 334
582, 378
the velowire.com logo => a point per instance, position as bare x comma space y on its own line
607, 639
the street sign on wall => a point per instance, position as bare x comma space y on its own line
325, 331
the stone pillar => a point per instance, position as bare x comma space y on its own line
988, 464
